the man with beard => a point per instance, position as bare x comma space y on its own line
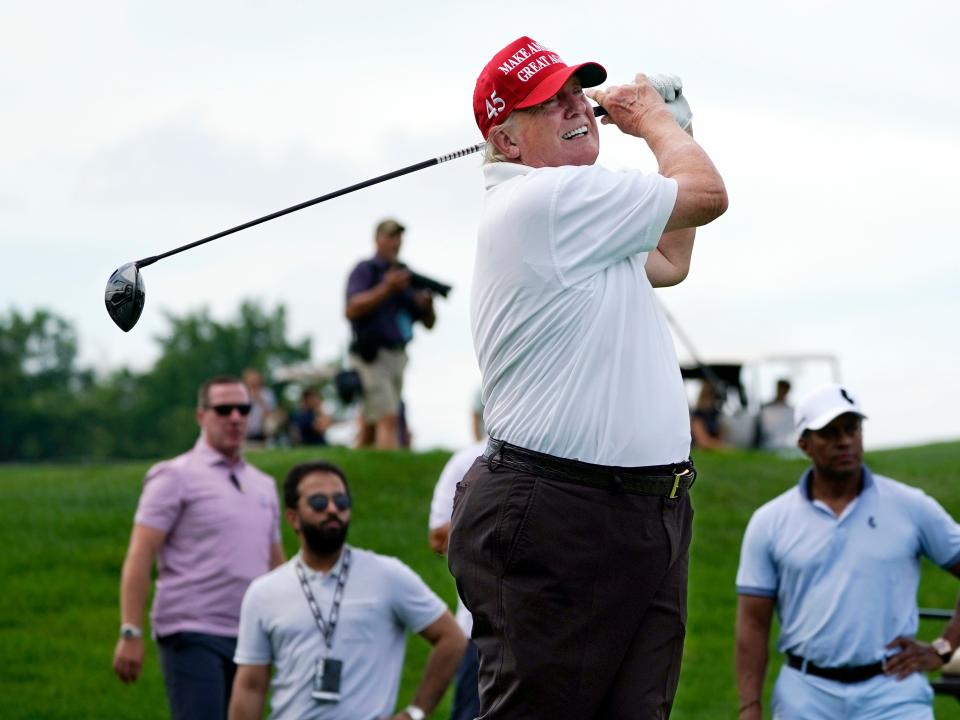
332, 621
211, 523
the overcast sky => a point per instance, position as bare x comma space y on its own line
129, 128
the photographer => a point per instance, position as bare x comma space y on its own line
383, 302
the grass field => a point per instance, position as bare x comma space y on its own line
64, 529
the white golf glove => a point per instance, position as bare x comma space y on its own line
670, 88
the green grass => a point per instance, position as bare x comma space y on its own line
64, 530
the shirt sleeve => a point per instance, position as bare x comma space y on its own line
415, 605
253, 641
361, 278
757, 574
275, 509
599, 217
162, 499
939, 533
441, 506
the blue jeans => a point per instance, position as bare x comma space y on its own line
466, 695
198, 673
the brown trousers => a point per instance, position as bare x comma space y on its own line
578, 595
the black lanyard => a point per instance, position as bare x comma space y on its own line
326, 628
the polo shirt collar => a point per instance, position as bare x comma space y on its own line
334, 571
498, 172
211, 457
804, 485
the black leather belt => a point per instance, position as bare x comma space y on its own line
844, 674
670, 481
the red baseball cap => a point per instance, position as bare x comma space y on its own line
522, 75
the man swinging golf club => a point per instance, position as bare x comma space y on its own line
570, 535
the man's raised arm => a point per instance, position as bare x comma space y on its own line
639, 110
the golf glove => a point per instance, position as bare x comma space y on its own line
670, 88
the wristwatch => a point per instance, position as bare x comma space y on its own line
130, 632
942, 647
414, 712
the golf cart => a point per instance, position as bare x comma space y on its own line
743, 390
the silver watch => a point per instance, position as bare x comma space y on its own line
415, 713
942, 647
130, 632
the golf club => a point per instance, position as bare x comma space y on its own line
126, 292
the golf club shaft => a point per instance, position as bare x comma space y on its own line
707, 371
329, 196
144, 262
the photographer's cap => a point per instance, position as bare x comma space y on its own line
823, 405
389, 227
522, 75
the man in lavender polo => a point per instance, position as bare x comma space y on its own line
210, 521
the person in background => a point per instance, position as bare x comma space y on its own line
382, 309
332, 621
466, 697
310, 420
775, 422
838, 557
210, 522
263, 404
706, 427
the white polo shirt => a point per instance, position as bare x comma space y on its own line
382, 600
845, 586
576, 356
441, 506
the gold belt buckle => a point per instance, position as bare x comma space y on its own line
676, 485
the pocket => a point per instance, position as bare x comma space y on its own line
513, 518
677, 518
458, 492
360, 621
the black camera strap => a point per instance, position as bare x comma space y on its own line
330, 626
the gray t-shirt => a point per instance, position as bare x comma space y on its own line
382, 599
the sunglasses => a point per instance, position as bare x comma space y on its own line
319, 501
227, 409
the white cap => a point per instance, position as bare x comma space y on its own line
820, 407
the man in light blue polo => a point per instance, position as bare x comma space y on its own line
838, 556
332, 621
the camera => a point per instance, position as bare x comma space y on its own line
422, 282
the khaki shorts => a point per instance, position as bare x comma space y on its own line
382, 382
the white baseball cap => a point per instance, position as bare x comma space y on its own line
820, 407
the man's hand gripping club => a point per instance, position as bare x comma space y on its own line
668, 87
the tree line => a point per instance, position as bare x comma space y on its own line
50, 408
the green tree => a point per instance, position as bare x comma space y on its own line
51, 409
41, 413
160, 415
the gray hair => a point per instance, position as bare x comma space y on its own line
490, 152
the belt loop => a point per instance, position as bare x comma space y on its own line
803, 665
616, 483
493, 462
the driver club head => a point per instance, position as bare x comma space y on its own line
125, 296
